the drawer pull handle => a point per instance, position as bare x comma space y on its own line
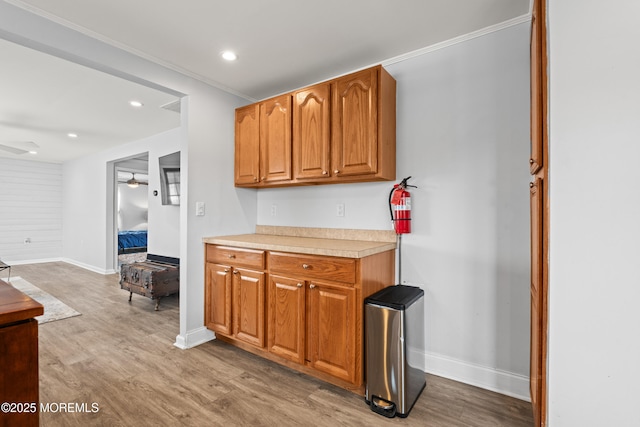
311, 286
231, 256
306, 266
299, 285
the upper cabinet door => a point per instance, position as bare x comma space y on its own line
312, 132
355, 124
275, 139
247, 145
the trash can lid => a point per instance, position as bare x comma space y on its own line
398, 297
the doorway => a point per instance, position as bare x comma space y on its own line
131, 208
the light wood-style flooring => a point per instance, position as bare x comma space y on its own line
121, 356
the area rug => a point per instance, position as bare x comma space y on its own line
54, 309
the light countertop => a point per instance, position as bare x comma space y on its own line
327, 242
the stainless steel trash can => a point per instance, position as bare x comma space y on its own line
394, 349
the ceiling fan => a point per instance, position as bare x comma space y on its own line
133, 182
19, 147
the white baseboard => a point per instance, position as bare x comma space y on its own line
194, 338
88, 266
67, 260
34, 261
502, 382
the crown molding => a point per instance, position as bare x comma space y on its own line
460, 39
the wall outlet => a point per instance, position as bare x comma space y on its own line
274, 210
340, 209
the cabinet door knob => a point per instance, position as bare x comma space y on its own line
232, 256
324, 172
255, 178
306, 266
236, 272
263, 178
311, 286
530, 161
299, 285
336, 171
226, 270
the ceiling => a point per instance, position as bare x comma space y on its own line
281, 45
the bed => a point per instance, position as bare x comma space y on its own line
131, 241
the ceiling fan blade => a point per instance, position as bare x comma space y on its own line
12, 149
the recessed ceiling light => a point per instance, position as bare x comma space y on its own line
229, 56
33, 152
72, 135
136, 104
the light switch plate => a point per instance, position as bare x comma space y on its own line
199, 208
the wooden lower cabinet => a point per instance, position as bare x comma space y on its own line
217, 314
331, 330
235, 303
287, 314
309, 308
313, 323
234, 295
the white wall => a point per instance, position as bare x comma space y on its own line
594, 290
163, 220
30, 208
89, 204
133, 207
463, 135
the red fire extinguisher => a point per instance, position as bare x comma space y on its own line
400, 207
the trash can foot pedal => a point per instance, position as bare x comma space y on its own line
383, 407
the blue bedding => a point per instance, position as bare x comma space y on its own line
132, 239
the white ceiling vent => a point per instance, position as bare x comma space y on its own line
172, 106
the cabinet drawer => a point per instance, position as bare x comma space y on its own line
314, 267
236, 256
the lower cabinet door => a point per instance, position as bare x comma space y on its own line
217, 308
248, 306
331, 324
286, 323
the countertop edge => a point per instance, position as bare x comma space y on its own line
304, 245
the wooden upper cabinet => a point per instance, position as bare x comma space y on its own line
275, 139
263, 142
364, 126
312, 132
247, 145
343, 130
355, 130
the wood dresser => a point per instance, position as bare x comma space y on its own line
297, 300
18, 357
